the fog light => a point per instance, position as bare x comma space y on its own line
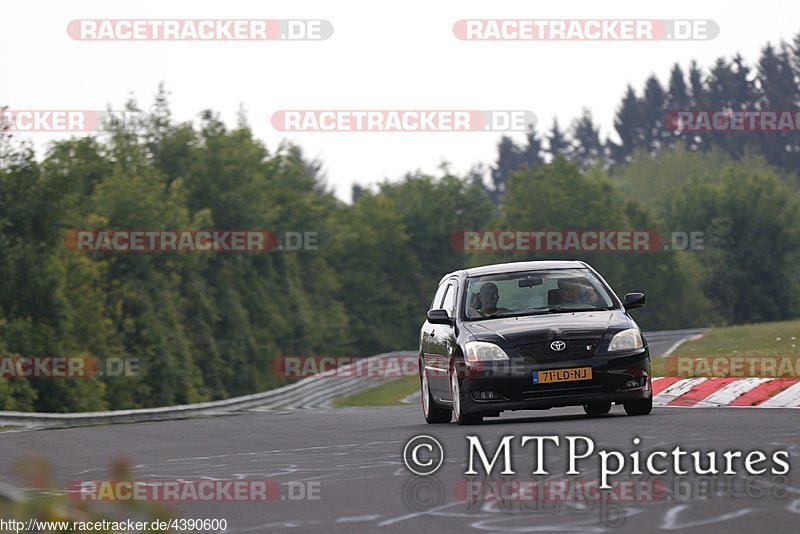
487, 395
636, 382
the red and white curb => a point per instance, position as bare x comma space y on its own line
707, 392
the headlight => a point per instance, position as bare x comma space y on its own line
481, 351
629, 339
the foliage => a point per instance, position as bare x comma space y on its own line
208, 326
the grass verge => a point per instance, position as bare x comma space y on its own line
764, 340
386, 394
755, 347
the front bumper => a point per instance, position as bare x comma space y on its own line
514, 382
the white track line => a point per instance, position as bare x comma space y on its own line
680, 342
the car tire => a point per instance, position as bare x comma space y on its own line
430, 408
458, 397
597, 408
639, 407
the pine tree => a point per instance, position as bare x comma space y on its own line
356, 192
697, 84
677, 100
778, 91
729, 90
678, 95
557, 143
532, 155
509, 159
744, 96
699, 101
654, 106
720, 84
586, 148
629, 125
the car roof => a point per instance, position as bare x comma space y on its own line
516, 266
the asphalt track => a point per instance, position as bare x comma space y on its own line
355, 457
661, 342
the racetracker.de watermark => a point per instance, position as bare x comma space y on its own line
574, 241
68, 120
200, 29
732, 121
559, 490
586, 29
345, 366
633, 490
193, 490
112, 241
402, 120
734, 366
66, 367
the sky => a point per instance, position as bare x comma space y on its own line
381, 56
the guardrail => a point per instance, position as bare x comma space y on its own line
312, 392
315, 391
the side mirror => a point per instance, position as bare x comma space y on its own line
439, 317
633, 300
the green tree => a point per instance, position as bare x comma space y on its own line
559, 196
751, 221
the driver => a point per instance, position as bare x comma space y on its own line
488, 297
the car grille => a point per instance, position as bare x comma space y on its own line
576, 349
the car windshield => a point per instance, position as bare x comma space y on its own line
534, 292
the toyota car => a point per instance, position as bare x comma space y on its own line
530, 336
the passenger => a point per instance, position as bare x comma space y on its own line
568, 289
593, 296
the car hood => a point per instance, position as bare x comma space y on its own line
537, 328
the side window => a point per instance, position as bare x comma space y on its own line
437, 299
449, 303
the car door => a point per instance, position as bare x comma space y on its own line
442, 345
428, 333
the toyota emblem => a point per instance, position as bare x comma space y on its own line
558, 345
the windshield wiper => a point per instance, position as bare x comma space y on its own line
525, 313
539, 311
561, 309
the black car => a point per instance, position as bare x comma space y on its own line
531, 335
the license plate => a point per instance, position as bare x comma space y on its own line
562, 375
